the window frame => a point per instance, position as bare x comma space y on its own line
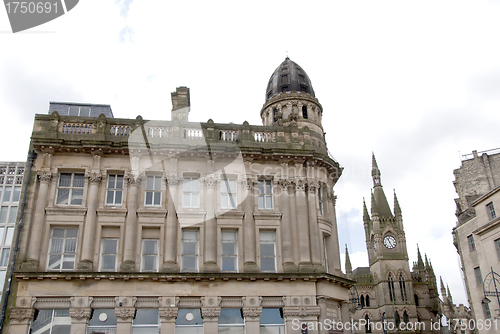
234, 256
101, 254
490, 209
196, 256
321, 201
154, 191
264, 195
472, 244
114, 190
71, 189
155, 255
188, 180
261, 232
143, 326
479, 275
63, 253
231, 202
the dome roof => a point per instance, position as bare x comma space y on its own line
288, 77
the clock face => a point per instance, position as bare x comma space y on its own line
389, 242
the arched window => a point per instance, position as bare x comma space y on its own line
367, 301
304, 111
416, 299
275, 118
398, 319
392, 293
368, 326
362, 301
402, 287
406, 318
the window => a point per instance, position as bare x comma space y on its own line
392, 293
79, 111
145, 322
149, 255
109, 251
265, 194
362, 301
472, 245
479, 277
491, 211
231, 321
62, 249
189, 251
229, 251
487, 312
4, 259
320, 200
51, 322
304, 112
275, 117
402, 287
368, 326
416, 300
153, 191
6, 194
9, 235
367, 301
228, 194
189, 321
284, 89
115, 189
325, 251
271, 321
267, 251
284, 78
406, 318
497, 246
191, 192
70, 189
102, 321
12, 215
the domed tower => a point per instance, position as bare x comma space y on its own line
290, 99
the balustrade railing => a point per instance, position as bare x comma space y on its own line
77, 128
228, 135
119, 130
263, 137
158, 132
193, 133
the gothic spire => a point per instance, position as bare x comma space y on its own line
382, 206
348, 266
449, 293
443, 290
397, 208
420, 263
375, 172
366, 216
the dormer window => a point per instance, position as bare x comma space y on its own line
79, 111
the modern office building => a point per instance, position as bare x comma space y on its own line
137, 226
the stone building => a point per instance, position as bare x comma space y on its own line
137, 226
389, 292
477, 234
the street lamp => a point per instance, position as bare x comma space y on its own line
354, 304
490, 290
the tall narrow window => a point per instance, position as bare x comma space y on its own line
153, 191
325, 251
229, 251
4, 259
497, 246
149, 255
189, 251
271, 321
51, 322
275, 117
145, 321
231, 321
190, 192
368, 326
62, 249
189, 321
265, 198
70, 189
362, 301
6, 194
304, 112
402, 287
398, 318
406, 318
392, 293
487, 312
491, 211
472, 245
367, 301
479, 277
267, 251
102, 321
109, 251
228, 193
16, 194
320, 200
416, 300
115, 190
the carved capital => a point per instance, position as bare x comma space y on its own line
172, 180
210, 181
21, 315
331, 197
210, 312
168, 313
252, 312
93, 176
312, 186
125, 313
134, 179
284, 184
300, 184
44, 176
80, 313
249, 182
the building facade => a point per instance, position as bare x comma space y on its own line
136, 226
477, 234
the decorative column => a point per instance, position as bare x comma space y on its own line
210, 312
300, 310
20, 320
305, 264
130, 251
170, 264
313, 225
168, 313
32, 261
86, 264
124, 312
333, 244
80, 312
210, 263
249, 233
252, 310
286, 227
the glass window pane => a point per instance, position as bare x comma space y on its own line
194, 200
8, 236
119, 182
70, 246
6, 195
229, 264
111, 181
4, 261
157, 183
229, 236
55, 262
223, 201
261, 202
190, 248
271, 316
228, 248
145, 330
65, 180
3, 214
109, 197
1, 235
73, 111
189, 263
78, 180
16, 194
194, 184
71, 232
149, 182
108, 262
146, 317
190, 235
181, 319
12, 215
149, 198
231, 316
149, 263
269, 202
268, 187
266, 235
58, 232
267, 263
62, 196
77, 197
150, 247
267, 249
118, 197
110, 318
266, 329
56, 245
157, 198
68, 262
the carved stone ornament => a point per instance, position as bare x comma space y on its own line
22, 314
80, 313
169, 301
252, 312
168, 313
125, 301
284, 184
26, 301
81, 301
301, 311
44, 176
172, 180
133, 178
94, 176
300, 184
312, 186
249, 182
331, 197
125, 313
210, 312
210, 181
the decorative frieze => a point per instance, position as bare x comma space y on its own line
252, 313
66, 211
301, 311
169, 301
125, 301
210, 301
81, 301
210, 312
51, 303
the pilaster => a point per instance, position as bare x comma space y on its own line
286, 226
170, 258
210, 312
130, 250
250, 258
168, 313
210, 263
80, 312
124, 312
301, 212
20, 319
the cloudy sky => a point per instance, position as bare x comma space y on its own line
416, 82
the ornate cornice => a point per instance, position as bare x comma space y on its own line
94, 176
301, 311
66, 211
